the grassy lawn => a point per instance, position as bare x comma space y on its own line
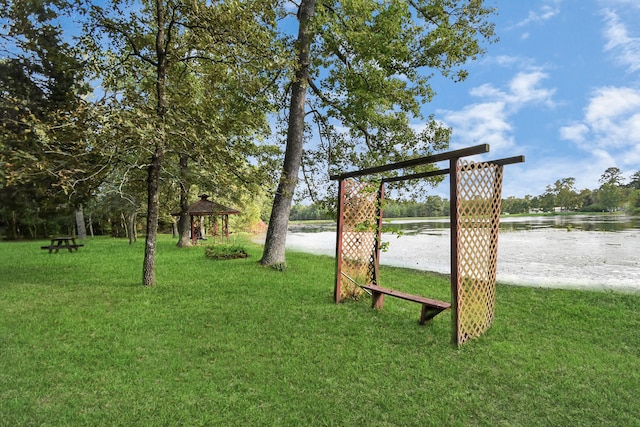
233, 343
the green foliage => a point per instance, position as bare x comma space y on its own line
207, 70
514, 205
609, 196
371, 64
634, 202
308, 212
235, 344
225, 251
47, 164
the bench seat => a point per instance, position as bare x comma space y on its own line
58, 247
430, 307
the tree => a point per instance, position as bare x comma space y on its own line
46, 140
610, 193
609, 196
634, 202
156, 46
612, 176
515, 205
634, 182
587, 200
562, 194
365, 65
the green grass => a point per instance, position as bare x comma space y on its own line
233, 343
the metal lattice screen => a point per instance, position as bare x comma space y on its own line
479, 193
360, 208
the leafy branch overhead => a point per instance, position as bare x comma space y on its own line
363, 71
371, 70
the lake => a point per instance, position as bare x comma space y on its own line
576, 251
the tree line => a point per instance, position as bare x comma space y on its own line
433, 206
614, 194
119, 112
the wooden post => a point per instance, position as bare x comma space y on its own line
337, 292
225, 226
377, 299
455, 239
378, 241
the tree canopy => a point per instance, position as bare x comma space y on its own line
45, 145
363, 71
191, 80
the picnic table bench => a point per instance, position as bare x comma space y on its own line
58, 243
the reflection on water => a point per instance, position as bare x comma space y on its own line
431, 226
576, 222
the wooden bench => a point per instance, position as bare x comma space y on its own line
430, 307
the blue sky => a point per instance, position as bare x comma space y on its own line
561, 86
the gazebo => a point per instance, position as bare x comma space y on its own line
207, 208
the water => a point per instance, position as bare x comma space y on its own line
572, 222
576, 251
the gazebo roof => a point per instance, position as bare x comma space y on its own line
205, 207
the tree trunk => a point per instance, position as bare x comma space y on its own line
133, 237
153, 179
184, 221
14, 227
80, 226
148, 273
91, 225
125, 225
274, 248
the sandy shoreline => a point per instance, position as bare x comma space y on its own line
554, 258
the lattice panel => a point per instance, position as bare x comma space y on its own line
358, 236
479, 196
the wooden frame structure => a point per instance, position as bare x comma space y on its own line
475, 203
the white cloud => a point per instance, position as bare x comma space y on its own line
617, 3
506, 60
608, 103
489, 121
522, 89
483, 123
545, 13
525, 89
625, 47
610, 128
574, 132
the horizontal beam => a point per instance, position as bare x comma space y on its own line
507, 161
464, 152
417, 175
499, 162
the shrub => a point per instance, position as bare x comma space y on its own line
225, 252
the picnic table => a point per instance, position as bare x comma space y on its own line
58, 243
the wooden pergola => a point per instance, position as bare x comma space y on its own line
213, 210
475, 198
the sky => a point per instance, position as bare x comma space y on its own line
561, 87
